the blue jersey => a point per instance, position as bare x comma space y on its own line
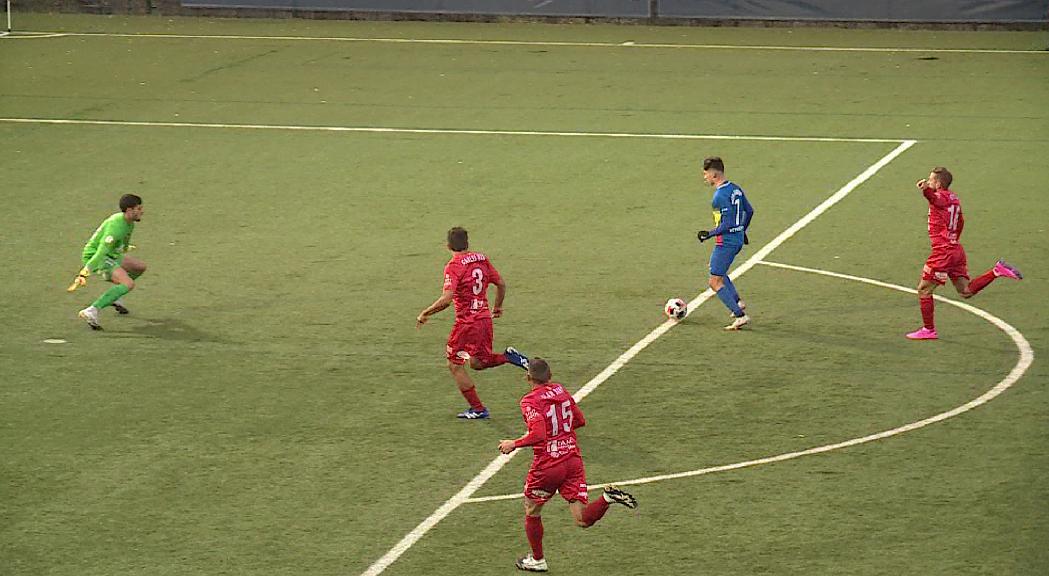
732, 214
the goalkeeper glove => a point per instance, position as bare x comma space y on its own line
129, 248
746, 239
703, 235
80, 280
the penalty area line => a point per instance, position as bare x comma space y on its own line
1026, 357
463, 495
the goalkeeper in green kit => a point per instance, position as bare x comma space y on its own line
104, 254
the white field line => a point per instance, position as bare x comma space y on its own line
627, 44
1024, 361
385, 130
495, 465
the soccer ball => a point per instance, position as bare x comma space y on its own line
675, 308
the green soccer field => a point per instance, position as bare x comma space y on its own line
269, 407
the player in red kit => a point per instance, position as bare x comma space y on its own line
466, 279
552, 417
947, 261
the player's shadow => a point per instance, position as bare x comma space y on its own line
170, 329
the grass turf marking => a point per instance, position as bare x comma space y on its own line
1026, 357
464, 494
461, 41
391, 130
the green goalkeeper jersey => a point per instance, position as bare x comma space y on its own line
110, 240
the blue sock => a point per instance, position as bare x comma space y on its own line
728, 297
731, 286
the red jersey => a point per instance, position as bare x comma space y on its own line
552, 417
945, 218
468, 274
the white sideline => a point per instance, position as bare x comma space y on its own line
625, 44
496, 464
379, 129
1023, 362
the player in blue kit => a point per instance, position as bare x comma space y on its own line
732, 215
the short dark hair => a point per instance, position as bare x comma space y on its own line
714, 163
539, 370
128, 201
943, 175
458, 240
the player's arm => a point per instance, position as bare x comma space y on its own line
440, 304
931, 195
108, 242
500, 294
535, 435
578, 420
748, 215
724, 208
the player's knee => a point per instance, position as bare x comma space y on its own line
128, 283
476, 363
715, 283
965, 294
582, 523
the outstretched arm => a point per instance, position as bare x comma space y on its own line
440, 304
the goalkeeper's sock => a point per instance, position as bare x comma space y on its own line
729, 299
110, 296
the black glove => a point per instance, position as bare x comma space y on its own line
703, 235
746, 239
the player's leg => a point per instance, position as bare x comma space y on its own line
739, 300
1000, 268
539, 486
720, 260
534, 561
480, 346
926, 286
122, 284
467, 388
134, 268
457, 353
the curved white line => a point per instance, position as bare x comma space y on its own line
1024, 362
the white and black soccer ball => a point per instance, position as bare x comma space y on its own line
675, 308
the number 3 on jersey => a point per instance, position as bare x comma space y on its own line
565, 419
478, 287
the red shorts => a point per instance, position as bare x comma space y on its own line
946, 264
567, 477
470, 339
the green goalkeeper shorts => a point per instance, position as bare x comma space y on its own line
107, 267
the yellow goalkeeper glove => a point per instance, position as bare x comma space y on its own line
80, 280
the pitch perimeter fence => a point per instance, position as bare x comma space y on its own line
1026, 14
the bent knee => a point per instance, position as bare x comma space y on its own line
582, 523
966, 294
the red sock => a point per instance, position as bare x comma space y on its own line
595, 510
493, 361
981, 281
472, 398
534, 531
927, 311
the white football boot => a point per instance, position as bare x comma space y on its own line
529, 564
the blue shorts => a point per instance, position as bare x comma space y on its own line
721, 258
